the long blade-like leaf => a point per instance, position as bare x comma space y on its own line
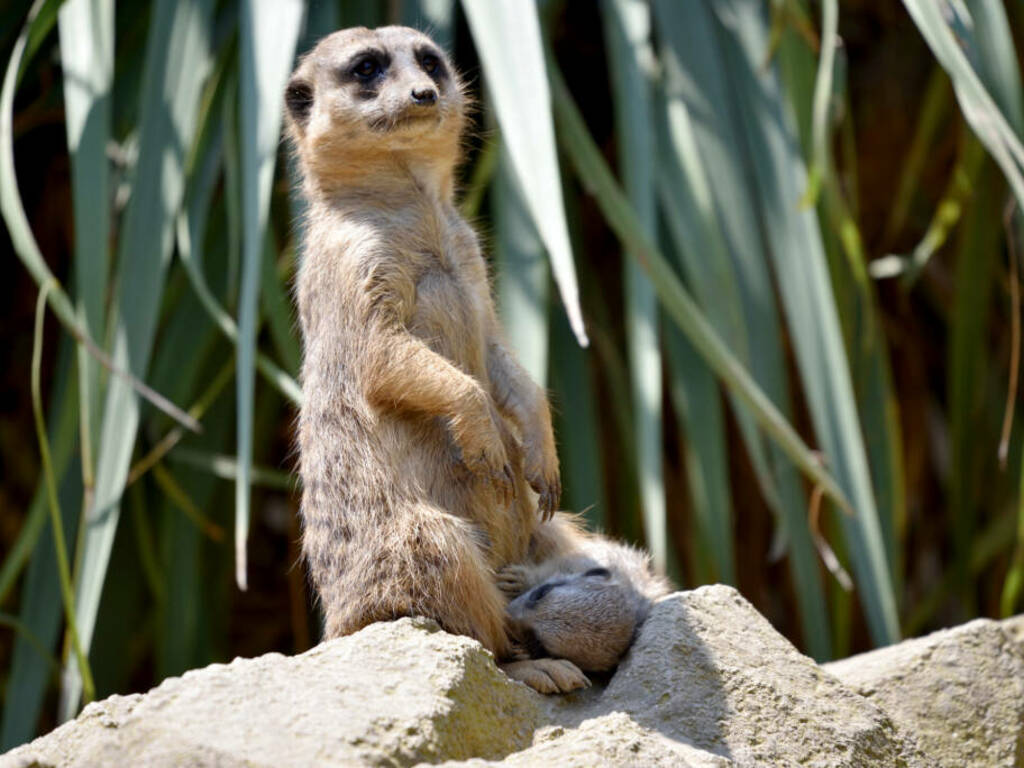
40, 604
798, 259
177, 62
87, 58
522, 274
42, 13
991, 43
979, 108
678, 303
712, 217
698, 404
269, 33
508, 40
866, 345
628, 30
56, 519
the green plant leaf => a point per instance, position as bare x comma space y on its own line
40, 603
177, 62
508, 40
856, 300
711, 213
226, 468
698, 405
522, 274
978, 107
42, 13
592, 169
87, 59
269, 34
277, 308
627, 26
56, 520
798, 258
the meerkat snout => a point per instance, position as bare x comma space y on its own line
424, 97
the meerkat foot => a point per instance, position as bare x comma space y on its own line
547, 675
513, 580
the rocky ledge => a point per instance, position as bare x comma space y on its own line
708, 683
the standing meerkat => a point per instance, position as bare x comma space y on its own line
420, 435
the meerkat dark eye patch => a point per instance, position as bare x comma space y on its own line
432, 63
602, 573
298, 97
365, 66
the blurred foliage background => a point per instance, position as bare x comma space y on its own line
817, 194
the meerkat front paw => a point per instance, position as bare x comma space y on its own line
513, 580
481, 440
547, 675
543, 476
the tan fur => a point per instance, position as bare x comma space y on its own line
579, 596
420, 436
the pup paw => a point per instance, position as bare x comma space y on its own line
547, 675
513, 580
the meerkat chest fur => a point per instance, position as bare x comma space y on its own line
422, 252
452, 299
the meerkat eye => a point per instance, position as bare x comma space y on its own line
603, 573
538, 594
366, 68
430, 63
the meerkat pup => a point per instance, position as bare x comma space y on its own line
420, 436
579, 596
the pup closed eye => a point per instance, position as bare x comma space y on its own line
539, 593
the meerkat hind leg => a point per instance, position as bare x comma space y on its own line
425, 563
547, 675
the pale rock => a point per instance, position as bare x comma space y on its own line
959, 691
708, 684
393, 694
1014, 629
610, 740
708, 670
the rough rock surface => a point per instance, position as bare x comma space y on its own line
708, 684
394, 694
959, 691
710, 671
613, 739
1014, 629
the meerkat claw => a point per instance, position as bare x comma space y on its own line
511, 479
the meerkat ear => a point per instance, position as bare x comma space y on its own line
298, 97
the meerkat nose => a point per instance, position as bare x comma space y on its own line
424, 96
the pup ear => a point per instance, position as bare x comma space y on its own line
298, 98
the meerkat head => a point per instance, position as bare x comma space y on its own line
588, 618
372, 94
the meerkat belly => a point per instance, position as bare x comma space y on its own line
449, 317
